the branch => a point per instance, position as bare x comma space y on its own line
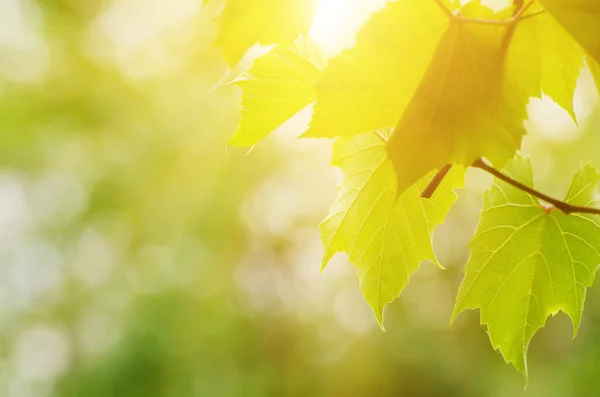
520, 11
514, 21
561, 205
435, 182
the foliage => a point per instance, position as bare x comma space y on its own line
277, 87
386, 237
529, 261
430, 84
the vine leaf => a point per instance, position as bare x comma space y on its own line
581, 18
367, 87
471, 102
244, 23
562, 60
529, 261
385, 238
279, 85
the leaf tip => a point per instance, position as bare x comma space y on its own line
436, 262
453, 317
323, 266
324, 263
525, 373
379, 316
575, 329
455, 313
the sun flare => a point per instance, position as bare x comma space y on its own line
338, 21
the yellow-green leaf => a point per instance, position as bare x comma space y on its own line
562, 60
581, 18
528, 261
279, 85
472, 101
244, 23
385, 238
368, 86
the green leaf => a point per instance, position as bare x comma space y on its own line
385, 238
562, 60
279, 85
471, 103
244, 23
529, 261
367, 87
581, 18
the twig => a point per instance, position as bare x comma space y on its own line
435, 182
514, 21
561, 205
519, 12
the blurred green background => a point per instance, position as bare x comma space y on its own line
139, 256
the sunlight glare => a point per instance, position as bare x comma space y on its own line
338, 21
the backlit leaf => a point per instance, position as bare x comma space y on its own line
581, 18
385, 238
368, 86
279, 84
471, 102
562, 60
528, 262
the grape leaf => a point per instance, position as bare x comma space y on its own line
366, 88
528, 262
471, 103
244, 23
562, 60
279, 84
581, 18
384, 238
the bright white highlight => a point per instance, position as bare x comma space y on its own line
338, 21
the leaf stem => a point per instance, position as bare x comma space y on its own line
561, 205
519, 12
482, 165
435, 182
520, 8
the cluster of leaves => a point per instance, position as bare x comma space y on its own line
429, 84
